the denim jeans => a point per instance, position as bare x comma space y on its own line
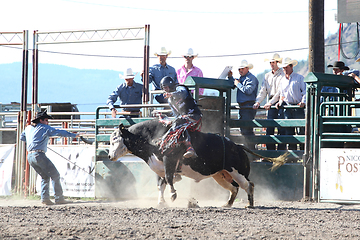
273, 113
46, 169
247, 114
297, 113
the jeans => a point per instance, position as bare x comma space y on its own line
46, 169
273, 113
247, 114
297, 113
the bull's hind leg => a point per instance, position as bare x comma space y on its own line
246, 185
224, 179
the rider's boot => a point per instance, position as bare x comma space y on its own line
190, 152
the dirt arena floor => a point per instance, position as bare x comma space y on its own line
140, 219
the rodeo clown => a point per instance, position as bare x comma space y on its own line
187, 116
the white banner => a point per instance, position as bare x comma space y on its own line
76, 167
6, 167
340, 174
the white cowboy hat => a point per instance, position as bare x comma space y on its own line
289, 61
245, 64
128, 74
162, 52
190, 53
276, 57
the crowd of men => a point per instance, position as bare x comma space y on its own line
280, 87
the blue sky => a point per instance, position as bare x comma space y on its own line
250, 30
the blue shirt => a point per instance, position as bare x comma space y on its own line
329, 90
37, 137
127, 95
247, 88
158, 71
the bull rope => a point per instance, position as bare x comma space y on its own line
73, 163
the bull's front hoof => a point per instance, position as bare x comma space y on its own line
227, 205
173, 196
162, 205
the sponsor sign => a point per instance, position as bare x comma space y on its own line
6, 167
76, 167
340, 174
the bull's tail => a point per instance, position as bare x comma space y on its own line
277, 162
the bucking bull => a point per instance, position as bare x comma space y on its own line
217, 157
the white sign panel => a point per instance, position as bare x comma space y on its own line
76, 167
6, 167
340, 174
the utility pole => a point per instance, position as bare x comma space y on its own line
316, 64
316, 36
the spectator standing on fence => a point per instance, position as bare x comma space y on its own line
292, 92
269, 88
159, 71
129, 92
36, 137
188, 69
339, 68
247, 87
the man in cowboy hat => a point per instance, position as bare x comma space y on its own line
36, 137
269, 88
188, 69
339, 68
129, 92
292, 91
247, 86
159, 71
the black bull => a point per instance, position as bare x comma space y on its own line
218, 157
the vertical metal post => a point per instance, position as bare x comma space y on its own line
21, 150
27, 166
316, 36
146, 67
35, 73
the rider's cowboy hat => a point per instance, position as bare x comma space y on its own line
128, 74
339, 65
289, 61
41, 116
190, 53
245, 64
275, 58
162, 52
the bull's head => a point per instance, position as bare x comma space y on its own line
117, 146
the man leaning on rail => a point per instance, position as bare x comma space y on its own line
129, 92
292, 91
